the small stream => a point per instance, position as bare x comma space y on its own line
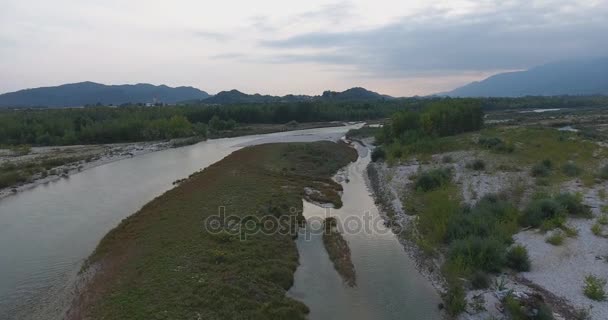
388, 284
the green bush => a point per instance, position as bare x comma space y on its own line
476, 164
433, 179
478, 253
556, 238
480, 280
454, 298
570, 169
378, 154
518, 258
573, 204
495, 144
594, 288
539, 211
487, 218
603, 174
540, 170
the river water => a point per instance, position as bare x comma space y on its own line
388, 284
47, 232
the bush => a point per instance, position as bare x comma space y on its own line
603, 174
484, 220
570, 169
476, 164
447, 159
596, 229
478, 253
433, 179
518, 258
573, 204
454, 298
480, 280
556, 238
539, 211
495, 144
540, 170
594, 288
378, 154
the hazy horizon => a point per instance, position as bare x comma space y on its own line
272, 47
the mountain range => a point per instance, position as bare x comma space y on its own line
90, 93
573, 77
83, 93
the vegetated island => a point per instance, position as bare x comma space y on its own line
338, 251
509, 219
161, 263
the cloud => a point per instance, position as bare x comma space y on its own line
216, 36
506, 35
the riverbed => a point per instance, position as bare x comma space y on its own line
47, 232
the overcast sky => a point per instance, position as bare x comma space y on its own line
397, 47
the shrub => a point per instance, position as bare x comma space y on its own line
518, 258
447, 159
603, 174
540, 170
556, 238
541, 210
478, 253
573, 204
433, 179
603, 219
594, 288
476, 164
484, 220
596, 229
480, 280
454, 298
496, 144
570, 169
378, 154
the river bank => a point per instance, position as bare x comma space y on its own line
49, 164
558, 271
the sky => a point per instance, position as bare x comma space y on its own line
396, 47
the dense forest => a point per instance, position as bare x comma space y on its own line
127, 123
137, 123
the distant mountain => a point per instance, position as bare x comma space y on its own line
354, 94
79, 94
574, 77
235, 97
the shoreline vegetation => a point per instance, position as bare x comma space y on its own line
339, 252
481, 211
24, 167
160, 263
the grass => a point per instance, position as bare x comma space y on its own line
339, 252
594, 288
535, 144
596, 229
161, 263
556, 238
12, 174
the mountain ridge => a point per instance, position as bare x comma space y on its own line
88, 92
91, 93
569, 77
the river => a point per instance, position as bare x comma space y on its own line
388, 284
47, 232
